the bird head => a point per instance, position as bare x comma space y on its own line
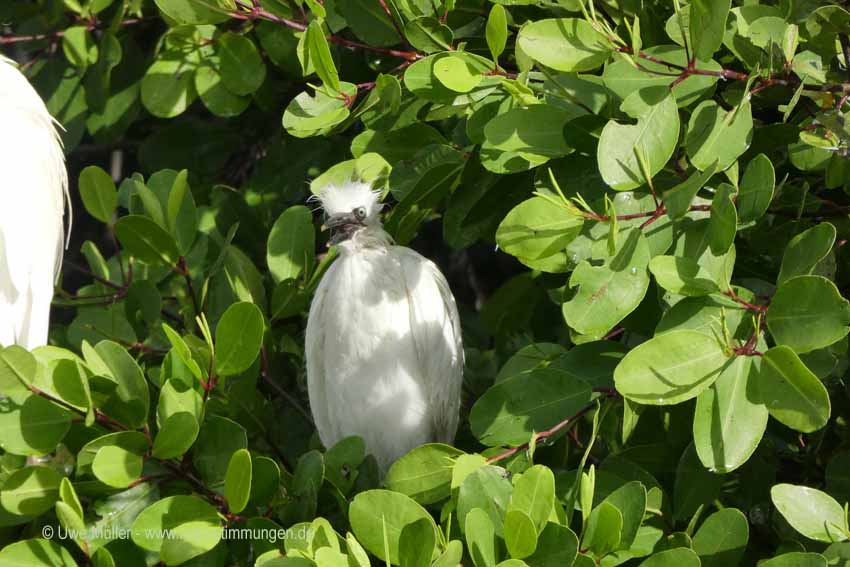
349, 208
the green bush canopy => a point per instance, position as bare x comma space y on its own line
642, 207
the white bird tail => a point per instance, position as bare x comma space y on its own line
33, 197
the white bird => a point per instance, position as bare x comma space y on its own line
383, 346
33, 193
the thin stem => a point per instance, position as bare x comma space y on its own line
264, 373
845, 49
389, 14
93, 276
256, 12
745, 304
183, 270
12, 39
606, 393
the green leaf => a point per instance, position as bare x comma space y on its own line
608, 293
695, 486
215, 96
30, 491
564, 44
36, 553
307, 116
456, 74
242, 67
133, 441
723, 223
379, 516
556, 546
178, 528
320, 55
520, 534
238, 338
510, 411
33, 425
730, 420
630, 501
428, 34
117, 467
195, 12
677, 201
693, 243
69, 496
17, 370
146, 240
623, 78
791, 392
808, 313
78, 47
237, 482
756, 190
176, 435
265, 480
481, 538
417, 543
524, 137
175, 396
369, 22
130, 400
538, 229
98, 193
718, 136
496, 32
168, 87
805, 251
218, 440
670, 368
602, 533
654, 136
722, 538
534, 494
73, 522
425, 473
487, 488
677, 557
706, 25
813, 513
797, 559
292, 244
682, 276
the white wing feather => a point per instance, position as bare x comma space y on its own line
314, 352
437, 335
33, 192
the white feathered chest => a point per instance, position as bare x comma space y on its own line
384, 353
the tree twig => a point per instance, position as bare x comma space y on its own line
607, 393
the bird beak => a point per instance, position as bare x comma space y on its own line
342, 227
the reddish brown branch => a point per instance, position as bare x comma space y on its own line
389, 14
90, 26
745, 304
606, 394
256, 12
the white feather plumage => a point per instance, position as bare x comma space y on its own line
384, 351
34, 189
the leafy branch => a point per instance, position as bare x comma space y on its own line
606, 393
255, 11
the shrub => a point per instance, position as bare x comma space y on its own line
659, 380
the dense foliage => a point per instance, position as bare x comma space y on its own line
642, 206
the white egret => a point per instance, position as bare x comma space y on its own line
33, 192
384, 352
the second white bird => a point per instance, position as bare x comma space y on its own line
384, 351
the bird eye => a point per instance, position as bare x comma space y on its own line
360, 213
